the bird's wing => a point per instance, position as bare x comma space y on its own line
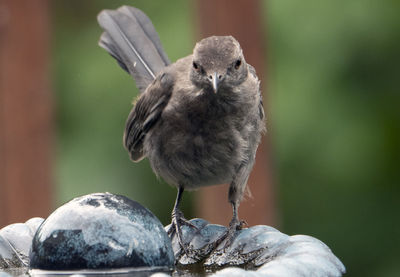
146, 113
252, 71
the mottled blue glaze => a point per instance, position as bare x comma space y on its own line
101, 231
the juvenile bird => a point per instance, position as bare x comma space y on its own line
198, 120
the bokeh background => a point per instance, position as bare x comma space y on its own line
331, 85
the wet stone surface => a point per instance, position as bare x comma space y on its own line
262, 250
15, 243
101, 231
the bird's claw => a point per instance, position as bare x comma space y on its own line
234, 226
238, 224
177, 221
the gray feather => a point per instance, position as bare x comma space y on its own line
148, 28
132, 40
107, 43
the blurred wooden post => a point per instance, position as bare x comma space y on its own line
25, 111
242, 20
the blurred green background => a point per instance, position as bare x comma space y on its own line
333, 117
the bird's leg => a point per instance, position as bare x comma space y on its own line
235, 195
234, 226
235, 223
178, 220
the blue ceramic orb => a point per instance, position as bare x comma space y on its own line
101, 231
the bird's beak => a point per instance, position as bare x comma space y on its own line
215, 82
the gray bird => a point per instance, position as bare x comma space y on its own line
198, 120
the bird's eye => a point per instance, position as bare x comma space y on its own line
195, 66
237, 64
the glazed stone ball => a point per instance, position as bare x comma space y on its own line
101, 231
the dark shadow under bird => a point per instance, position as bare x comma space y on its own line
199, 120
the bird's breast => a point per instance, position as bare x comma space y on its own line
190, 146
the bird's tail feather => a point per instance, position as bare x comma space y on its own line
130, 37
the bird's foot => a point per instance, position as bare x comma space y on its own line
237, 224
234, 226
177, 221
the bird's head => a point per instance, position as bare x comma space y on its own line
218, 63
